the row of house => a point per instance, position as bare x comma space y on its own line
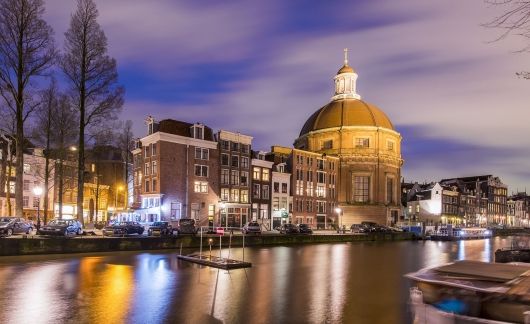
479, 201
105, 190
186, 170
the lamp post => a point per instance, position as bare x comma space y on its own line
338, 211
37, 191
222, 207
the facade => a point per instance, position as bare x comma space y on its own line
261, 189
368, 147
434, 204
175, 173
34, 166
483, 199
281, 199
518, 210
313, 187
235, 181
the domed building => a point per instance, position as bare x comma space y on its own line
369, 151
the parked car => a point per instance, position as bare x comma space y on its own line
186, 226
100, 225
160, 229
304, 229
123, 228
62, 227
251, 227
289, 229
14, 225
359, 228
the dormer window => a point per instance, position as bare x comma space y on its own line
197, 131
152, 126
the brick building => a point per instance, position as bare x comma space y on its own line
261, 189
176, 172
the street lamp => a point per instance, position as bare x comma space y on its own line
338, 211
37, 191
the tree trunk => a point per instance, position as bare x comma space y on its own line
8, 191
81, 168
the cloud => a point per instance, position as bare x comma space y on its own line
263, 68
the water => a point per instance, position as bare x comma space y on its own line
324, 283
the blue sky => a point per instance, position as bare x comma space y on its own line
263, 67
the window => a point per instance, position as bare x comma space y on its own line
234, 195
146, 185
276, 203
197, 131
225, 175
235, 161
276, 187
153, 149
244, 196
245, 148
265, 175
362, 142
390, 145
321, 191
284, 187
265, 192
389, 190
225, 159
201, 170
25, 201
225, 145
256, 173
321, 206
12, 187
361, 185
154, 185
147, 169
244, 178
310, 176
201, 186
201, 153
327, 145
321, 177
256, 191
225, 194
310, 189
235, 146
244, 162
26, 185
154, 167
27, 168
320, 164
235, 177
146, 151
283, 203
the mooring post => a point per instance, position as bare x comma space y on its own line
220, 239
229, 245
200, 248
243, 246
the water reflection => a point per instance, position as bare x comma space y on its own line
327, 283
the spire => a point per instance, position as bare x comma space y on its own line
346, 56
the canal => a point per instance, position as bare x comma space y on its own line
322, 283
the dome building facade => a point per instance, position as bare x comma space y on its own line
368, 148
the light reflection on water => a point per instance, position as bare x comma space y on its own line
333, 283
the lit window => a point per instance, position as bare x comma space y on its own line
361, 185
235, 177
256, 173
362, 142
201, 186
244, 196
265, 175
225, 192
25, 201
234, 196
27, 168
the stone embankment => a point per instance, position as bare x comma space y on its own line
41, 245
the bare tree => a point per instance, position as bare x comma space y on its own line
515, 20
93, 76
26, 51
125, 144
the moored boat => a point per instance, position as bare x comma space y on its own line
472, 292
448, 233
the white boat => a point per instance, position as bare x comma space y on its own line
449, 233
471, 292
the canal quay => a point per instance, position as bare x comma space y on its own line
349, 282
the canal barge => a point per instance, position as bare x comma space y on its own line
519, 251
471, 292
466, 233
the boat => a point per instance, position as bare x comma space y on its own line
448, 233
471, 292
519, 251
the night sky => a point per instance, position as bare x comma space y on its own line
263, 67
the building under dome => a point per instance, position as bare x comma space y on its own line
368, 148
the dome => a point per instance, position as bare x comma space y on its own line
346, 69
346, 112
